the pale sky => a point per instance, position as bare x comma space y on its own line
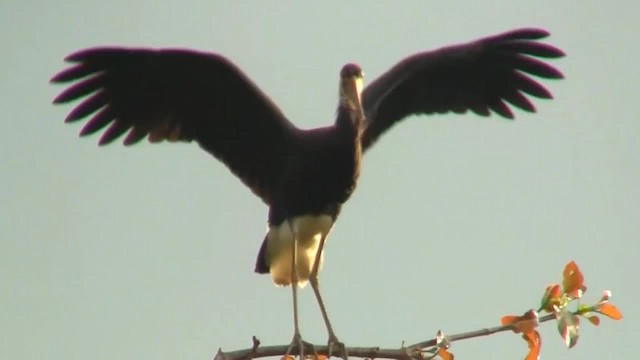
148, 252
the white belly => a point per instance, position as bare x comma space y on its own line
309, 230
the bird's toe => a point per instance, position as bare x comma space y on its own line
300, 345
338, 346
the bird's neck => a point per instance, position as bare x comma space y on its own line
349, 122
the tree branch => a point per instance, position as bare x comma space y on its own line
411, 352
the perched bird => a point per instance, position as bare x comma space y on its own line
304, 176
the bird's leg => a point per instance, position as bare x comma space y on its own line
313, 280
297, 338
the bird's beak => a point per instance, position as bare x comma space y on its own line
353, 91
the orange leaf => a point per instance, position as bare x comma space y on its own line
594, 320
444, 354
508, 319
534, 341
610, 311
521, 324
572, 280
551, 297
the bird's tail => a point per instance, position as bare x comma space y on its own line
261, 262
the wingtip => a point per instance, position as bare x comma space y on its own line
99, 144
70, 118
94, 52
550, 51
74, 72
531, 33
60, 99
63, 75
555, 74
105, 140
534, 33
55, 78
541, 32
80, 55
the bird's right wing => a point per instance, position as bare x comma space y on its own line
181, 95
478, 76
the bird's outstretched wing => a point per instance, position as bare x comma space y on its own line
478, 76
181, 95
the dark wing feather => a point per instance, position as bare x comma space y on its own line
482, 76
181, 95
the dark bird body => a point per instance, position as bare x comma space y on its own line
304, 176
320, 177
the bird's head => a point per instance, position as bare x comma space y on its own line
351, 80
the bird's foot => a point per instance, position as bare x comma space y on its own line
334, 343
299, 344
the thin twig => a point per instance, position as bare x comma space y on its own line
411, 352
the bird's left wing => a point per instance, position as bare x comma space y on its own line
181, 95
478, 76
